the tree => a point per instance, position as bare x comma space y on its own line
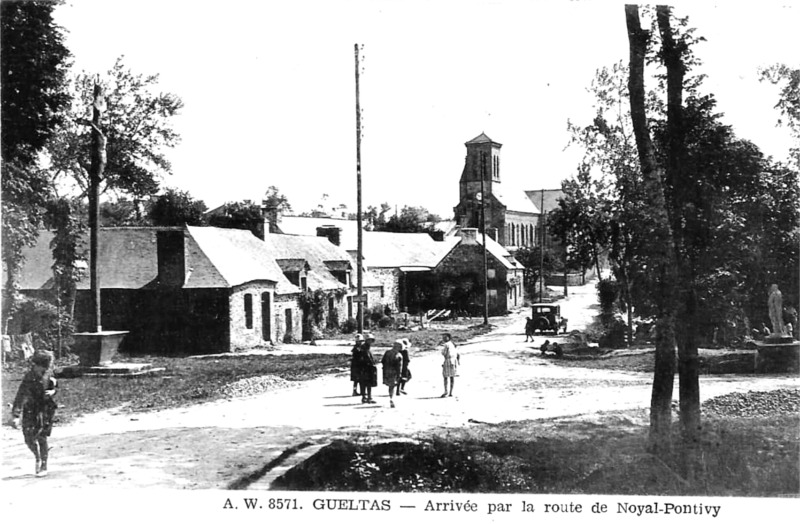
239, 215
410, 220
33, 60
137, 125
536, 266
661, 258
177, 208
789, 100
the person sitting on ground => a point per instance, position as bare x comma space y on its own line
557, 349
545, 347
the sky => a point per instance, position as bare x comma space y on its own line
269, 87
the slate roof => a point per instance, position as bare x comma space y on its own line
240, 257
482, 139
292, 264
551, 197
216, 258
383, 249
514, 200
315, 250
307, 226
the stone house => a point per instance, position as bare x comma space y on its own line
180, 290
315, 264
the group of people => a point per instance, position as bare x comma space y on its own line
395, 366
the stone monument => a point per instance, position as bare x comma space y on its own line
778, 352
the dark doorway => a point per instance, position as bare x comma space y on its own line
266, 315
289, 331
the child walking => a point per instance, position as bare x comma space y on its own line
35, 404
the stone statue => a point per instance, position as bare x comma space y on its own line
775, 303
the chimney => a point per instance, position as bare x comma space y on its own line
272, 217
332, 233
469, 235
437, 235
171, 258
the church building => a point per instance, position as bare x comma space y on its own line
511, 217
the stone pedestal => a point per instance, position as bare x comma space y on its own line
778, 354
97, 349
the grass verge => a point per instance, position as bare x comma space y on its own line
185, 381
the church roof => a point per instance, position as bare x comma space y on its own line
551, 198
482, 139
515, 200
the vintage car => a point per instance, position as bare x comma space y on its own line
547, 318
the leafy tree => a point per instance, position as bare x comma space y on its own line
536, 267
661, 256
137, 125
789, 101
581, 219
69, 250
176, 208
376, 220
410, 220
122, 212
274, 199
33, 63
239, 215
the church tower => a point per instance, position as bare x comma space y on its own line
483, 160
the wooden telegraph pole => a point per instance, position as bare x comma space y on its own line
360, 280
483, 228
541, 253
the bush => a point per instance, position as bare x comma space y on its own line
607, 293
41, 319
385, 322
349, 326
613, 335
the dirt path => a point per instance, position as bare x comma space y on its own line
210, 445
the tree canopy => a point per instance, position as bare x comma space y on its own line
137, 124
34, 64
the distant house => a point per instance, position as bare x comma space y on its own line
181, 290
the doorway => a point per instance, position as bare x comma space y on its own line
266, 315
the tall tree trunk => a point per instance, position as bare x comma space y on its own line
661, 252
688, 364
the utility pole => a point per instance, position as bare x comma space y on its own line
360, 288
483, 228
541, 252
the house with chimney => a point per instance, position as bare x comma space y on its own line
187, 290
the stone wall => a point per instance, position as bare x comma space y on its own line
390, 279
468, 259
246, 330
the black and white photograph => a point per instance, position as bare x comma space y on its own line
419, 261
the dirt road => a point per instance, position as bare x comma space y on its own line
211, 445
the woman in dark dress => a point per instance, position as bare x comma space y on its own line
354, 363
34, 403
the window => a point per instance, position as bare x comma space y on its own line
490, 273
303, 283
248, 311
